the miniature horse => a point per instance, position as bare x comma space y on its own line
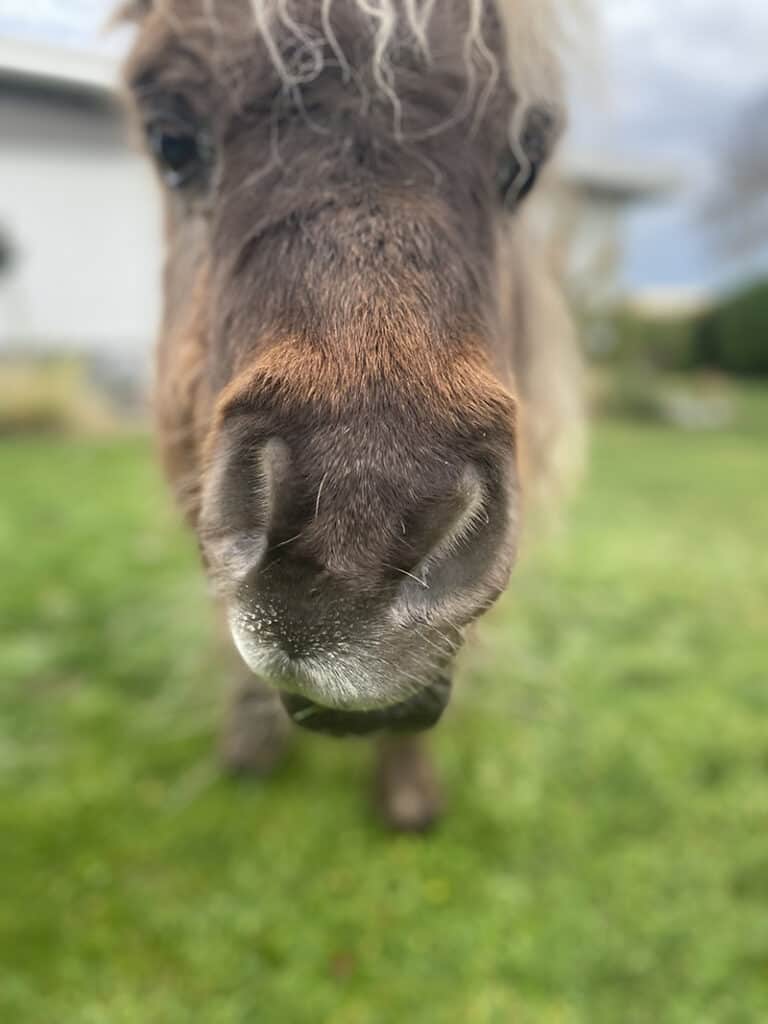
362, 365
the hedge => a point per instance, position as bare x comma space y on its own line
733, 337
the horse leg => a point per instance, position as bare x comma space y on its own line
407, 793
256, 728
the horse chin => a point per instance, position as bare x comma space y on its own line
418, 713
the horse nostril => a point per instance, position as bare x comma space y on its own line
239, 504
470, 554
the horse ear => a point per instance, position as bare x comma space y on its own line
132, 10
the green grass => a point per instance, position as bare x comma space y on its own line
605, 858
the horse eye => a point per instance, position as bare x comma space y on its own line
182, 154
513, 181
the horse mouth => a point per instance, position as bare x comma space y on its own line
416, 714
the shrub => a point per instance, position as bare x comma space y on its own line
657, 342
49, 396
734, 336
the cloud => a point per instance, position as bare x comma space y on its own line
71, 22
679, 72
672, 61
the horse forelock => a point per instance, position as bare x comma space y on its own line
302, 37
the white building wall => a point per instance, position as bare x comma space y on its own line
81, 211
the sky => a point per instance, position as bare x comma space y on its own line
680, 73
668, 82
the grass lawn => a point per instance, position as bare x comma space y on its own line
605, 858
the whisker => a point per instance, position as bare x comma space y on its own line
447, 651
284, 543
410, 575
305, 713
319, 494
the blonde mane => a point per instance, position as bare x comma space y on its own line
538, 36
535, 31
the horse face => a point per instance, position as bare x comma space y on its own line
335, 391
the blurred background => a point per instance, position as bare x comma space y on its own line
605, 854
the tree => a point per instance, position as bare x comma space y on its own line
738, 209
